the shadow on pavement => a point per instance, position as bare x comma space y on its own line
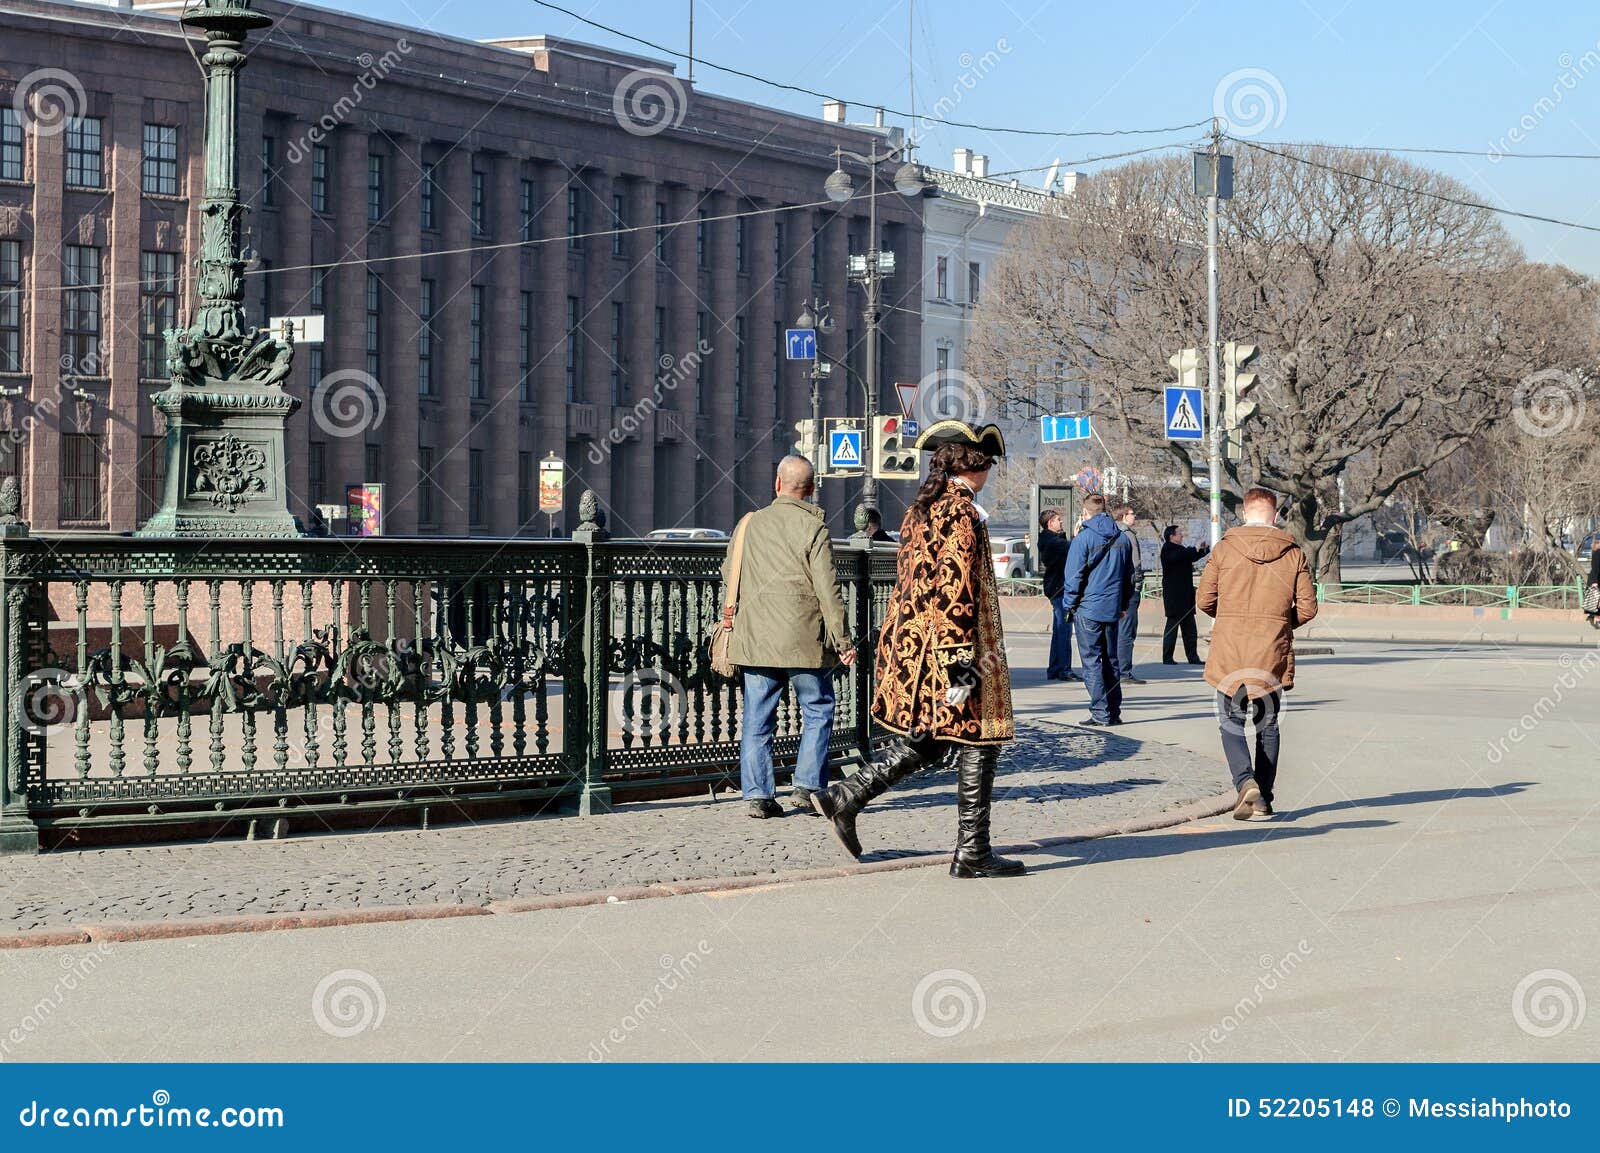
1168, 844
1417, 797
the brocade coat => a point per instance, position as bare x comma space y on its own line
942, 627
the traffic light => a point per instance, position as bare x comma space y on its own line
1187, 362
893, 457
806, 445
1236, 386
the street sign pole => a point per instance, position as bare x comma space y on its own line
1213, 393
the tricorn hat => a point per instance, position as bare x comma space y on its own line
986, 439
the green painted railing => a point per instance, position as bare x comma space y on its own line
265, 687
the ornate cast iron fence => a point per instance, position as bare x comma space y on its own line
193, 686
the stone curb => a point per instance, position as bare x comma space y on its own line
130, 931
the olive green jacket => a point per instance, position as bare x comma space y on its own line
790, 614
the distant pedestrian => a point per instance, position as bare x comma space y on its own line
941, 682
875, 530
1099, 590
1591, 595
1258, 588
1128, 627
1053, 546
1177, 595
789, 630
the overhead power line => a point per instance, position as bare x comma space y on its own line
1486, 154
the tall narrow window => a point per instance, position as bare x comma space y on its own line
816, 255
427, 513
574, 359
85, 157
525, 485
661, 231
778, 252
314, 364
152, 474
941, 278
317, 471
12, 155
659, 336
264, 279
574, 216
526, 210
619, 221
158, 310
480, 203
425, 291
82, 478
160, 171
319, 289
10, 306
13, 450
373, 457
319, 178
475, 510
525, 348
618, 376
700, 253
740, 263
738, 366
374, 187
427, 196
269, 171
475, 344
702, 329
777, 369
80, 328
374, 325
974, 281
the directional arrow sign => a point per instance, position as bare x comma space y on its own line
1184, 408
800, 343
1063, 429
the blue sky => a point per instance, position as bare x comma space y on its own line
1463, 75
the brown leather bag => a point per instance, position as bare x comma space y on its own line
721, 642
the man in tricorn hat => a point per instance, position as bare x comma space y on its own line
941, 678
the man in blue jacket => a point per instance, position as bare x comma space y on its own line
1099, 590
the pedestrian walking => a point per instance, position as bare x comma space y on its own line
1099, 590
1591, 594
1053, 546
789, 631
941, 681
1128, 626
1258, 590
1177, 595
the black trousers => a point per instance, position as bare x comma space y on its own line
1263, 714
1191, 639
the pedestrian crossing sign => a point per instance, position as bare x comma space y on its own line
1184, 409
844, 448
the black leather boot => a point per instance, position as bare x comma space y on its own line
974, 796
843, 801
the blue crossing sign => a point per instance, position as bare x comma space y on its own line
844, 448
1063, 429
800, 343
1185, 409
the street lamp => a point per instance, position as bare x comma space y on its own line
870, 269
816, 314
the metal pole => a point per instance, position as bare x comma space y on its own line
1213, 392
869, 458
816, 423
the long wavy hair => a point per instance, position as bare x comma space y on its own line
948, 461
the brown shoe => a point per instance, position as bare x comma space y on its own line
1249, 797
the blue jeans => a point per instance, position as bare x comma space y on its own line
1097, 647
763, 688
1060, 638
1127, 630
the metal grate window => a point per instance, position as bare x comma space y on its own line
619, 378
527, 210
574, 216
738, 366
702, 328
475, 511
317, 471
85, 157
158, 310
619, 221
160, 176
661, 231
269, 171
740, 263
374, 187
475, 343
10, 306
778, 250
480, 203
700, 253
425, 295
574, 357
525, 485
427, 198
152, 474
374, 326
525, 349
80, 300
82, 478
13, 164
319, 178
427, 509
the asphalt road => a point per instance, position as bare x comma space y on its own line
1431, 892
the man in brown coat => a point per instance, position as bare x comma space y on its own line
789, 632
1259, 589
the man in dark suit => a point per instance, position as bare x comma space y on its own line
1177, 595
1053, 545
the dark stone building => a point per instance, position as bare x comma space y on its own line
651, 359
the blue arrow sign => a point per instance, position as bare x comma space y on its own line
1185, 413
801, 343
1062, 429
844, 448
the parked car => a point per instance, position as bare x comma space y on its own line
1010, 557
687, 534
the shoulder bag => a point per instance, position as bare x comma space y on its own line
721, 642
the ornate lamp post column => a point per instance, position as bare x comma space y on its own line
225, 406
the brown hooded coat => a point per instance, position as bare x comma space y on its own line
1259, 589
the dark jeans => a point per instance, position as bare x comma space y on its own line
1127, 631
1191, 639
1097, 647
1263, 714
1060, 639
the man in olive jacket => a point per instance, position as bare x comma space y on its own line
789, 630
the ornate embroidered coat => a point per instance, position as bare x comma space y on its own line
943, 628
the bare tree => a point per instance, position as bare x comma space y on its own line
1382, 309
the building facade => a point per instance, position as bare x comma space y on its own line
518, 248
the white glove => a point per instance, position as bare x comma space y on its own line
957, 695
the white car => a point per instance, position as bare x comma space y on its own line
687, 534
1010, 557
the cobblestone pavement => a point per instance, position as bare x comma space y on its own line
1054, 780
